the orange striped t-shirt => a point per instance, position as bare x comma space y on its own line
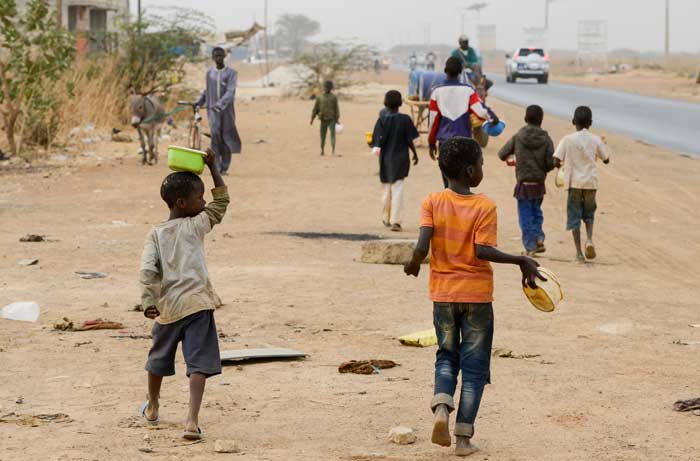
459, 223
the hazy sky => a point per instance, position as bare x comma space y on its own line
636, 24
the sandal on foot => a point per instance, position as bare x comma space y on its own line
396, 227
580, 259
590, 250
190, 435
142, 411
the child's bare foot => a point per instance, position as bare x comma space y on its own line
441, 426
465, 447
590, 250
580, 259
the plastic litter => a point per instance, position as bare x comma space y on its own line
559, 180
423, 338
339, 128
26, 311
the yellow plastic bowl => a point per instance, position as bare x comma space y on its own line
369, 137
185, 159
547, 294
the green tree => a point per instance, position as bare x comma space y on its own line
293, 30
333, 61
158, 48
34, 50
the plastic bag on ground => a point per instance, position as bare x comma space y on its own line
23, 311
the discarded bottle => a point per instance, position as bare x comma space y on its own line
23, 311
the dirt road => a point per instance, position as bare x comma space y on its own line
602, 386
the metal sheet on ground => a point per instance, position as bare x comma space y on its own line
242, 355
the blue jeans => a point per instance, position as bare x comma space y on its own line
531, 219
465, 335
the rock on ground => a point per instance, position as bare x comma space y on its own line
225, 446
402, 435
390, 251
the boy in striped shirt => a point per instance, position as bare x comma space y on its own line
459, 227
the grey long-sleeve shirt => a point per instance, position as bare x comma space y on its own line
173, 274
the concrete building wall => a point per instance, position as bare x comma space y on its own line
116, 10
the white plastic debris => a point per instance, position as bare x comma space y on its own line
23, 311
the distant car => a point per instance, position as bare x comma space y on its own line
527, 63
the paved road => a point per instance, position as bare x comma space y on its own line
666, 123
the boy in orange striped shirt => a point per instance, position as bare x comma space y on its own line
459, 228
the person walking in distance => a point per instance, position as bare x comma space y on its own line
218, 97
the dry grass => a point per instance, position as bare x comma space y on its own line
99, 96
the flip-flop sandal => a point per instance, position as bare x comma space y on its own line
189, 435
142, 410
590, 250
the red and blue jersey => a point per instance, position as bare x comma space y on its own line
451, 105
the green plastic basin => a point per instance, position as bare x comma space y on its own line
185, 159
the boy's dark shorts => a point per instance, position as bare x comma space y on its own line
200, 345
580, 206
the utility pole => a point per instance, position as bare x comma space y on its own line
138, 17
546, 13
475, 7
667, 39
267, 58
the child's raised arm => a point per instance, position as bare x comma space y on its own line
210, 160
216, 209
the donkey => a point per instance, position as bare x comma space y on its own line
147, 115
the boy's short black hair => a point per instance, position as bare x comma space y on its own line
453, 67
583, 116
456, 154
328, 84
178, 185
534, 115
218, 48
392, 99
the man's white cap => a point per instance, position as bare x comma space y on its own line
463, 38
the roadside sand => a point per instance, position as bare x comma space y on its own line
644, 82
602, 388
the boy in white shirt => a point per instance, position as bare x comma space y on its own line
578, 153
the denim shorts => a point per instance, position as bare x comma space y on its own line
580, 206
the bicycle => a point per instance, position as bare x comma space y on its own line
194, 139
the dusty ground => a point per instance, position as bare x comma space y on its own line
602, 387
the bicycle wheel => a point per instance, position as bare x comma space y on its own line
195, 137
